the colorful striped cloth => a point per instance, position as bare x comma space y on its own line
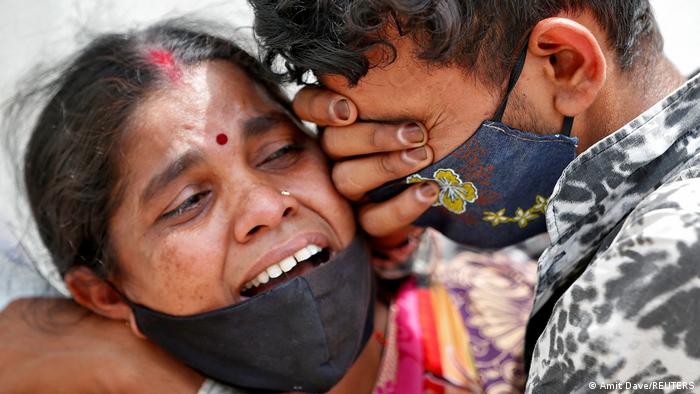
460, 330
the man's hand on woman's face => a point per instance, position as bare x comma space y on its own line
369, 154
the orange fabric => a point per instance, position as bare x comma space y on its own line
457, 363
431, 343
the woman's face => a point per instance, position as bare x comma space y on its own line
219, 186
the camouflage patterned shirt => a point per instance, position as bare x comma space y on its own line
618, 295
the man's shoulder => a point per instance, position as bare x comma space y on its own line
663, 229
628, 315
671, 211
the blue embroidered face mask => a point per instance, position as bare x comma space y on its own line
494, 187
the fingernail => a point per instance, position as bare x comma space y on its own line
410, 134
341, 109
415, 155
427, 192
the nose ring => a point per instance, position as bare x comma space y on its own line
285, 193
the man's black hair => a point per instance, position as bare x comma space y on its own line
330, 36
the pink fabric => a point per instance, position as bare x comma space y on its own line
410, 342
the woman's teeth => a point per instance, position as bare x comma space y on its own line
284, 265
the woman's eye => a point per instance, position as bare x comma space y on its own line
288, 152
191, 203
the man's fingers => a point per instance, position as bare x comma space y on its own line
354, 178
364, 138
324, 107
387, 217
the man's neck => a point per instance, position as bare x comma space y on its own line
627, 96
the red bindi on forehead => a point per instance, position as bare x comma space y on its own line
221, 139
165, 60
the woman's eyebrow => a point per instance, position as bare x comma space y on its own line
178, 166
263, 123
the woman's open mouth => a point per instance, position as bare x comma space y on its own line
304, 260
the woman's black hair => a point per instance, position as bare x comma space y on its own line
72, 159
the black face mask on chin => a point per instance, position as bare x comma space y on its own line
302, 335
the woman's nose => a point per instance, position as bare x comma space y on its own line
263, 207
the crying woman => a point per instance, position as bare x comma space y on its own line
178, 195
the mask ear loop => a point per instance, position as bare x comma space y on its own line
568, 124
119, 293
514, 76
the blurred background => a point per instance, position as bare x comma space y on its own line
45, 31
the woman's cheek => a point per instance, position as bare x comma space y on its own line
337, 208
313, 180
188, 267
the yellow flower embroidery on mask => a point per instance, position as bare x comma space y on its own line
522, 217
540, 204
496, 218
454, 194
415, 178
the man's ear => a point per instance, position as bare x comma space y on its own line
575, 63
95, 294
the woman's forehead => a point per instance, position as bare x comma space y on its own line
211, 96
210, 107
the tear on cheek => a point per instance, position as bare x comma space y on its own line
221, 139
